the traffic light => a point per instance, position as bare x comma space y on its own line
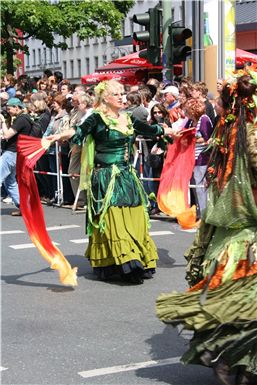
179, 49
151, 20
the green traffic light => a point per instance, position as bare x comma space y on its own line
180, 34
141, 36
141, 18
179, 49
151, 34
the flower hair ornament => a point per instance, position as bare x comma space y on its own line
229, 135
101, 87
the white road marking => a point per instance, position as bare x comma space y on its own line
189, 230
77, 241
62, 227
11, 232
84, 240
27, 246
153, 233
129, 367
2, 368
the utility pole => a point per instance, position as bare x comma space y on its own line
167, 71
198, 47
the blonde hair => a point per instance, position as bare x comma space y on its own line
40, 105
86, 99
103, 90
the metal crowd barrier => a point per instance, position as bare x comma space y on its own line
59, 175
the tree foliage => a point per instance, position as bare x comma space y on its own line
42, 19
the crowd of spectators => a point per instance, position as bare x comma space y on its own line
57, 105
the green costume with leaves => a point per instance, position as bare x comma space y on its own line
117, 216
224, 254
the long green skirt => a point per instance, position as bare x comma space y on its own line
125, 240
225, 325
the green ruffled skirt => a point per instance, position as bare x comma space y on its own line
125, 239
225, 324
224, 319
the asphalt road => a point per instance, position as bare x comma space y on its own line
99, 333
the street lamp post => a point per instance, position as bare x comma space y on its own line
116, 52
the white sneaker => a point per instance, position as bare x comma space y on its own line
7, 200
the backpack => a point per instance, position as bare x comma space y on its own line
36, 128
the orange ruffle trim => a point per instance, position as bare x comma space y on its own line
242, 270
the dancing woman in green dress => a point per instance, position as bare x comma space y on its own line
221, 305
117, 211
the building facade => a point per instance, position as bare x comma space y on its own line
84, 57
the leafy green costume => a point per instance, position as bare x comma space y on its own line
117, 217
224, 319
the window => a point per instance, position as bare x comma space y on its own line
34, 58
79, 68
27, 60
65, 70
45, 60
104, 59
104, 40
96, 41
123, 28
71, 42
86, 41
71, 68
96, 61
181, 16
131, 26
87, 66
172, 14
39, 57
51, 56
56, 55
78, 41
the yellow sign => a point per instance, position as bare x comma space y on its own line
229, 37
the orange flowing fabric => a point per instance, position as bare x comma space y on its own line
29, 150
172, 197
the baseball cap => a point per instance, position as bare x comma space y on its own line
172, 90
12, 102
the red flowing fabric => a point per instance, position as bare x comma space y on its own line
29, 150
177, 171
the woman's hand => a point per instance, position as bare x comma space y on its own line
167, 130
176, 134
53, 138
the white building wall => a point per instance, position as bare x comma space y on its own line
83, 57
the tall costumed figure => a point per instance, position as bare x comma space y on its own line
221, 305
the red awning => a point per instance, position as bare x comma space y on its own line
113, 66
135, 60
124, 77
126, 69
244, 56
